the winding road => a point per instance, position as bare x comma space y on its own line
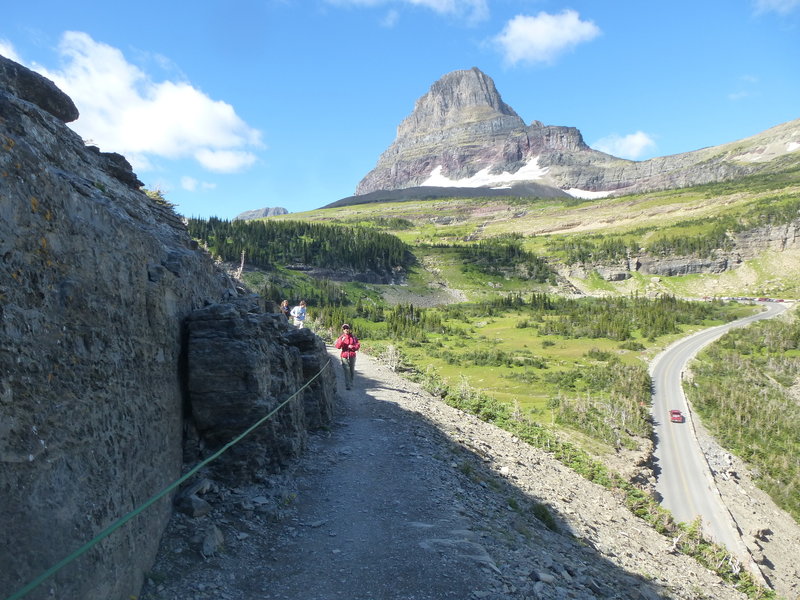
684, 480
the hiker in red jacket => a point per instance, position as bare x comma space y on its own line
348, 344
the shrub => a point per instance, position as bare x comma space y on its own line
542, 512
632, 345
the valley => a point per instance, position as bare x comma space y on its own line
474, 274
502, 422
764, 260
471, 333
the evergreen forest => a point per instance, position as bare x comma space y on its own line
267, 243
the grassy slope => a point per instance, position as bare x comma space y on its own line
529, 385
640, 217
426, 224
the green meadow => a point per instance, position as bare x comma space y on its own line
502, 312
502, 308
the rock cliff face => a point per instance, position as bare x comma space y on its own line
460, 128
750, 244
461, 134
243, 363
101, 291
745, 245
260, 213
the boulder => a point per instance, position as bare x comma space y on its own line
28, 85
243, 364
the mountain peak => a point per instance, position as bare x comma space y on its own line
462, 135
260, 213
462, 130
459, 98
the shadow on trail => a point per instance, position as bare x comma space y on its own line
524, 520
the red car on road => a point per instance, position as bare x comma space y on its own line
676, 416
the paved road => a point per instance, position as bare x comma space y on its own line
684, 480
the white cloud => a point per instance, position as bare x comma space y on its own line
139, 161
631, 146
475, 10
782, 7
190, 184
124, 110
738, 95
541, 39
224, 161
7, 50
391, 18
747, 89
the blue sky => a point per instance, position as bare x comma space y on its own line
234, 105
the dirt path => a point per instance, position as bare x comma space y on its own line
359, 527
407, 498
353, 523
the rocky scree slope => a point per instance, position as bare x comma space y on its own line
112, 327
462, 131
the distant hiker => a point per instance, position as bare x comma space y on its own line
299, 314
348, 344
285, 309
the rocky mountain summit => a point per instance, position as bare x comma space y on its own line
462, 135
260, 213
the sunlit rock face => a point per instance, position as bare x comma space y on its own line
462, 135
462, 128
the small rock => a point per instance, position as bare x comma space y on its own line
193, 506
213, 541
200, 487
545, 577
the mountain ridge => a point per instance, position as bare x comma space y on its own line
462, 134
260, 213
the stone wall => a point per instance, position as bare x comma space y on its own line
97, 282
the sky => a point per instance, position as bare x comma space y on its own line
233, 105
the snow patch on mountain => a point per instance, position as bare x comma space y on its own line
529, 172
588, 194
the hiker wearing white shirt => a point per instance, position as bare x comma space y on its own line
299, 314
